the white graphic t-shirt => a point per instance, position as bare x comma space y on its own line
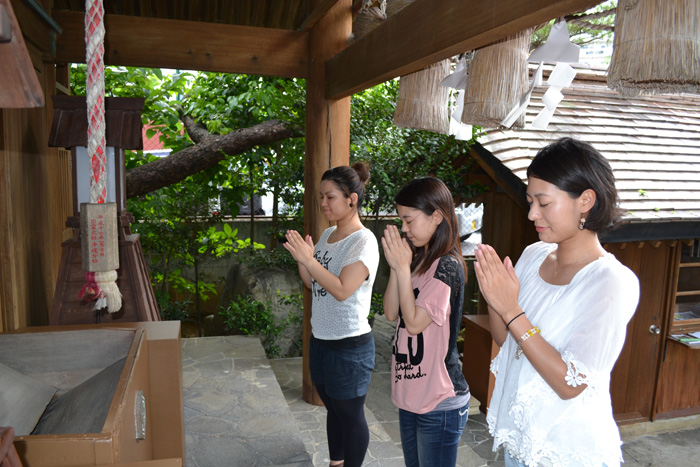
332, 319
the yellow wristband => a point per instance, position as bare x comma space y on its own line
528, 334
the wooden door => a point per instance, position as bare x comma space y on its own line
634, 377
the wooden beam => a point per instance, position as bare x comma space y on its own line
327, 142
188, 45
316, 14
20, 83
427, 31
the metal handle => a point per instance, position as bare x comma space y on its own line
654, 329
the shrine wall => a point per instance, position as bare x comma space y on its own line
34, 191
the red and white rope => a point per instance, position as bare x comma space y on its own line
94, 41
101, 283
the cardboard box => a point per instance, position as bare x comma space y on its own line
149, 384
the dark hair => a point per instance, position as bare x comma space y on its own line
575, 166
350, 180
429, 195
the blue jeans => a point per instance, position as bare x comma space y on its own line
431, 439
511, 461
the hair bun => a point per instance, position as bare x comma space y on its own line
362, 170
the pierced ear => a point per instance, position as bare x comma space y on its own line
587, 200
353, 199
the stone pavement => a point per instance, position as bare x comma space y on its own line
235, 413
243, 410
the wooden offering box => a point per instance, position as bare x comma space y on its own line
118, 393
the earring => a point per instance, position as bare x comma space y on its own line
582, 223
352, 205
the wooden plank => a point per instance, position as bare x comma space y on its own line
34, 30
188, 45
318, 12
20, 84
427, 31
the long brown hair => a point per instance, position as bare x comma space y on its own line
429, 195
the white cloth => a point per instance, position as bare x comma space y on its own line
586, 322
332, 319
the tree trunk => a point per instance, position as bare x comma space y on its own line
203, 155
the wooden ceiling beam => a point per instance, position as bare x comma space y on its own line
318, 12
187, 45
427, 31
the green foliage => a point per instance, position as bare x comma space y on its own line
174, 311
248, 316
179, 228
579, 34
376, 306
225, 102
398, 155
264, 259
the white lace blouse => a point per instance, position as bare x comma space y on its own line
586, 322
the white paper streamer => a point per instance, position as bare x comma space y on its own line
461, 131
557, 48
458, 78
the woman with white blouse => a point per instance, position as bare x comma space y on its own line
559, 316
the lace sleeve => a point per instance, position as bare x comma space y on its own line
577, 373
495, 364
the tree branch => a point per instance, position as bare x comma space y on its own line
196, 131
203, 155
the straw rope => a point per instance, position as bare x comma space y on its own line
372, 13
497, 79
422, 102
656, 48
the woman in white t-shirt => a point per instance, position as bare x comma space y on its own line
425, 293
560, 317
340, 271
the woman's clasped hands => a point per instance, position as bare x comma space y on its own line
302, 249
497, 280
397, 251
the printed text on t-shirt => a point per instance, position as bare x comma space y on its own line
324, 260
408, 364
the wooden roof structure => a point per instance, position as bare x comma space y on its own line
651, 141
271, 37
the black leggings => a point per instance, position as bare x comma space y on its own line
346, 427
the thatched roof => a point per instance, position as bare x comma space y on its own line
652, 143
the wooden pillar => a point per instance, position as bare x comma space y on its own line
327, 139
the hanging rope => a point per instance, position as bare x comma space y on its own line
94, 41
106, 292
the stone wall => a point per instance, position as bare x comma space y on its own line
233, 278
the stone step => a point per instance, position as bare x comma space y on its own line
235, 412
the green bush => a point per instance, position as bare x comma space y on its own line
376, 306
248, 316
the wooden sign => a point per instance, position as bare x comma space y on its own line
98, 234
